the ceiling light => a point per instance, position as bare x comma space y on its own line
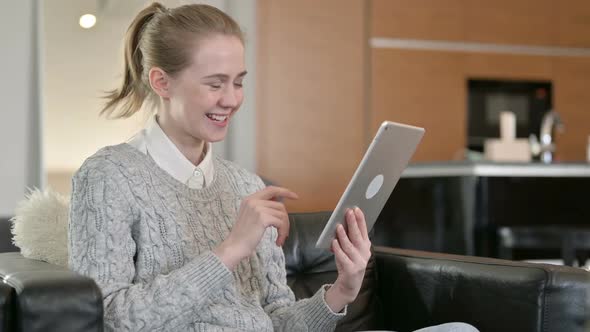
87, 21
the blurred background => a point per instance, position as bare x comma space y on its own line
323, 76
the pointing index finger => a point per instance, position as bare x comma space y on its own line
271, 192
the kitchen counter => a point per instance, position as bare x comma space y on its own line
457, 207
493, 169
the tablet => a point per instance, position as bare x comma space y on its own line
376, 176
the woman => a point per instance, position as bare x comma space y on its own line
177, 238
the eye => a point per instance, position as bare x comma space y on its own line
239, 83
215, 86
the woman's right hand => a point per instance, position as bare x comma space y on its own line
257, 212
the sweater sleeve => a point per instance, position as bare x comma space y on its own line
101, 246
311, 314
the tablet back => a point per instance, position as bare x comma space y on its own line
376, 176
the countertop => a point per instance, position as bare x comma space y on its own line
495, 169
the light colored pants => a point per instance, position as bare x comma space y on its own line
448, 327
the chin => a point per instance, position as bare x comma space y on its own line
216, 137
215, 140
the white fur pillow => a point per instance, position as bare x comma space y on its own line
40, 226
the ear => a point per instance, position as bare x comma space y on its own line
159, 81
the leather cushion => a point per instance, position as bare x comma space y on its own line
40, 302
7, 307
308, 268
426, 288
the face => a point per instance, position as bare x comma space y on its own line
204, 96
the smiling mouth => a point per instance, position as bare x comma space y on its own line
216, 117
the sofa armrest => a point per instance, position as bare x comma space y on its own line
49, 297
423, 288
7, 310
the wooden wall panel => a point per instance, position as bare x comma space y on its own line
426, 89
311, 101
507, 66
525, 22
573, 23
418, 19
400, 77
312, 84
571, 87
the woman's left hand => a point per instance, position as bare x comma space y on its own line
352, 251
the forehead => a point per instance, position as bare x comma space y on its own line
218, 54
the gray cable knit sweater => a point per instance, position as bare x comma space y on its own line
146, 239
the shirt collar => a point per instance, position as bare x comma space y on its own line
169, 158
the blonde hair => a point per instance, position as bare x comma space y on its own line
162, 37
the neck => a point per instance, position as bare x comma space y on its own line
192, 148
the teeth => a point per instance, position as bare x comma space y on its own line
216, 117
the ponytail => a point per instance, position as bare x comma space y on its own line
128, 99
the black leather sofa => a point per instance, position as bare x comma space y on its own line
403, 290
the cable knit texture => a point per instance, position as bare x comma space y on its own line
146, 239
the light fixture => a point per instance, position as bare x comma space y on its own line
87, 21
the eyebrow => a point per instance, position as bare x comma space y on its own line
225, 77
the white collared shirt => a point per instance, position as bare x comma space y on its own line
153, 141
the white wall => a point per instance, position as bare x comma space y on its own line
79, 64
241, 139
20, 163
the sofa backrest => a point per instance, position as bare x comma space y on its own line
6, 244
426, 288
308, 268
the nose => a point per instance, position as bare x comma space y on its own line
230, 98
